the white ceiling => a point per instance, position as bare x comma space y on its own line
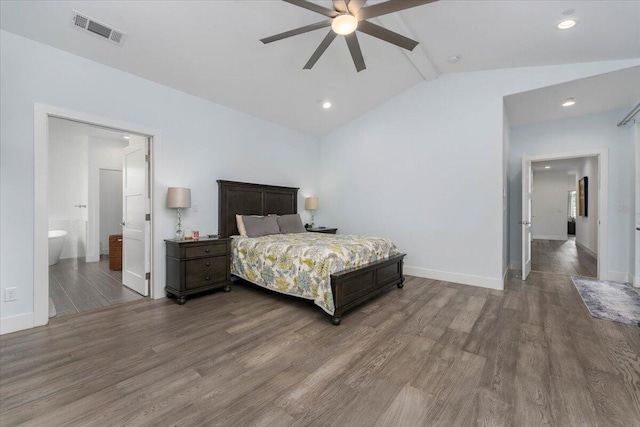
211, 49
610, 91
564, 165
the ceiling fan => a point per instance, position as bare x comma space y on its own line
346, 17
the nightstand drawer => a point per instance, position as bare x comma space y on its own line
206, 264
205, 250
204, 278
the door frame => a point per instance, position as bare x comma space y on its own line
42, 113
603, 199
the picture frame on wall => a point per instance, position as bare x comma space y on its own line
583, 197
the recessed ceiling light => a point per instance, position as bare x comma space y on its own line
126, 137
453, 59
326, 105
547, 167
569, 102
566, 24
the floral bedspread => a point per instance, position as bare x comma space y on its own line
301, 264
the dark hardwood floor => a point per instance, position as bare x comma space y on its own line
562, 257
433, 353
76, 286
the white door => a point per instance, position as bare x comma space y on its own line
135, 206
527, 178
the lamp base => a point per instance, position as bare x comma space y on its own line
179, 232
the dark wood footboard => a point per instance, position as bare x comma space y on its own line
357, 285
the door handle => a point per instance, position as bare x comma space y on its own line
524, 223
208, 264
122, 223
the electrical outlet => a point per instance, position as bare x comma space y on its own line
10, 294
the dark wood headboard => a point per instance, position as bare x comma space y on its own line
242, 198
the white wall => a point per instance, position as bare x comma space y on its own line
200, 142
104, 153
68, 187
587, 226
595, 131
572, 180
635, 256
506, 146
110, 206
549, 205
426, 169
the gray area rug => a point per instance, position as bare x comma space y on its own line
615, 301
52, 309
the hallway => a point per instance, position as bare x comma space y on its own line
562, 257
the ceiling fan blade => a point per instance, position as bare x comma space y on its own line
355, 6
340, 6
314, 8
389, 7
387, 35
320, 50
297, 31
356, 52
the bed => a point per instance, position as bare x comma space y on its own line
352, 277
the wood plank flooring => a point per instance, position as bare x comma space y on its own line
562, 257
433, 354
76, 286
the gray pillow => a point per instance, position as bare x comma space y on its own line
291, 224
257, 226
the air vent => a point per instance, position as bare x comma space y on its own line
90, 25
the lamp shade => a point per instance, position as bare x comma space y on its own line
178, 197
311, 203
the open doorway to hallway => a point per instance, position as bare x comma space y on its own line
565, 215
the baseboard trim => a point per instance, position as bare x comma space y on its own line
464, 279
505, 276
16, 323
587, 250
636, 282
618, 276
550, 237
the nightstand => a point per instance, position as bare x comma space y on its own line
323, 230
196, 266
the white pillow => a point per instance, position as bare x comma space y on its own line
241, 229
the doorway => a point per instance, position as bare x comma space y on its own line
42, 115
564, 217
85, 211
565, 194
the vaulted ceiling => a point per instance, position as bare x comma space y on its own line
211, 49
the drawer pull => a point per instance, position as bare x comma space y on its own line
207, 250
208, 264
207, 278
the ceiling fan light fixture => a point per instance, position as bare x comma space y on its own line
344, 24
